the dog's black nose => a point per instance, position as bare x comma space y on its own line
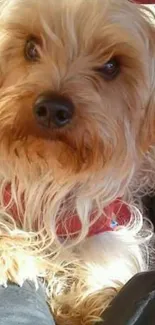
53, 110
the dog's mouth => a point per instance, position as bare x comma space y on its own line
116, 214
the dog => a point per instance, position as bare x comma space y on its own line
77, 114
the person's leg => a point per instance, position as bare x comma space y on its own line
24, 305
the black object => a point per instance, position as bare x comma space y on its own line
149, 207
135, 303
52, 110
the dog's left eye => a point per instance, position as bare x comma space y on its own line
31, 50
110, 69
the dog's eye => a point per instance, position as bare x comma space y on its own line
31, 49
110, 69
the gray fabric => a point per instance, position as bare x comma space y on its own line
24, 305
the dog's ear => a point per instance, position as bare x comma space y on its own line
147, 132
3, 39
3, 62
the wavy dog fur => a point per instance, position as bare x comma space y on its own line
105, 153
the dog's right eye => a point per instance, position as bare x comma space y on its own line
31, 50
110, 69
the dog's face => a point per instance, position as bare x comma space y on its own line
76, 78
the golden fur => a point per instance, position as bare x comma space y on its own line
103, 154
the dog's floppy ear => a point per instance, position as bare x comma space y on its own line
3, 38
147, 133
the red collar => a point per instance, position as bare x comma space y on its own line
116, 214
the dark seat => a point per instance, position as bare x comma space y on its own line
135, 304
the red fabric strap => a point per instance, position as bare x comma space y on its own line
117, 211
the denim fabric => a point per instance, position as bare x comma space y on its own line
24, 306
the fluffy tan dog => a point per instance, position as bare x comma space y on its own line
77, 112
